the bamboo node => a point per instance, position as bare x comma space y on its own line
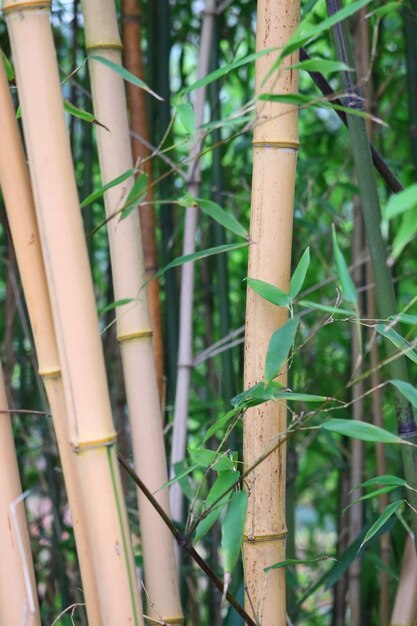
103, 46
95, 443
265, 538
140, 334
26, 6
292, 145
167, 620
50, 373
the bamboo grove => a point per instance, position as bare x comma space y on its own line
208, 313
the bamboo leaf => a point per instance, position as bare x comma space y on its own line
232, 529
100, 191
382, 519
405, 233
201, 254
262, 392
125, 74
186, 116
369, 496
299, 274
76, 112
225, 219
181, 471
226, 69
209, 458
360, 430
115, 305
387, 479
279, 347
308, 562
400, 202
407, 390
136, 195
398, 341
324, 66
327, 309
346, 282
404, 318
269, 292
218, 424
8, 67
222, 484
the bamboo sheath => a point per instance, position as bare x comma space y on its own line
91, 429
274, 166
18, 593
133, 326
139, 124
15, 184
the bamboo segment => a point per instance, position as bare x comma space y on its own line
15, 183
69, 280
405, 606
18, 594
139, 124
133, 327
274, 165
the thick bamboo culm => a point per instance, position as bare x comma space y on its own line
405, 605
274, 166
17, 194
133, 326
18, 593
136, 98
70, 286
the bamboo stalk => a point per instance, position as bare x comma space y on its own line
405, 606
185, 345
14, 179
274, 165
70, 286
18, 593
139, 124
133, 326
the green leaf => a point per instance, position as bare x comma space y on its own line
186, 116
324, 66
8, 67
333, 310
387, 479
232, 529
361, 430
398, 341
208, 458
369, 496
405, 233
388, 8
226, 69
115, 305
125, 74
100, 191
400, 202
299, 274
404, 318
279, 347
182, 470
382, 519
346, 282
269, 292
219, 491
219, 424
76, 112
262, 392
407, 390
308, 562
201, 254
227, 220
136, 195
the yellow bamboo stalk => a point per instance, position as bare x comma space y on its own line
70, 286
17, 194
405, 606
133, 325
274, 165
18, 594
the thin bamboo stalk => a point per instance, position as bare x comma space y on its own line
133, 326
405, 606
274, 165
139, 124
185, 345
65, 256
15, 183
18, 593
410, 32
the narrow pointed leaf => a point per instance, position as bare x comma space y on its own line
405, 318
279, 347
86, 116
333, 310
407, 390
227, 220
346, 282
308, 562
324, 66
125, 74
269, 292
360, 430
232, 529
136, 195
400, 202
100, 192
219, 424
186, 116
209, 458
387, 479
299, 274
8, 67
382, 519
201, 254
398, 341
219, 491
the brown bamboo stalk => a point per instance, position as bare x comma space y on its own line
18, 593
17, 193
70, 286
133, 326
274, 165
405, 606
136, 99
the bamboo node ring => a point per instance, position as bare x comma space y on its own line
167, 620
293, 145
265, 538
103, 46
50, 373
27, 6
140, 334
107, 442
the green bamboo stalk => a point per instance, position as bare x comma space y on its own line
410, 32
385, 295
